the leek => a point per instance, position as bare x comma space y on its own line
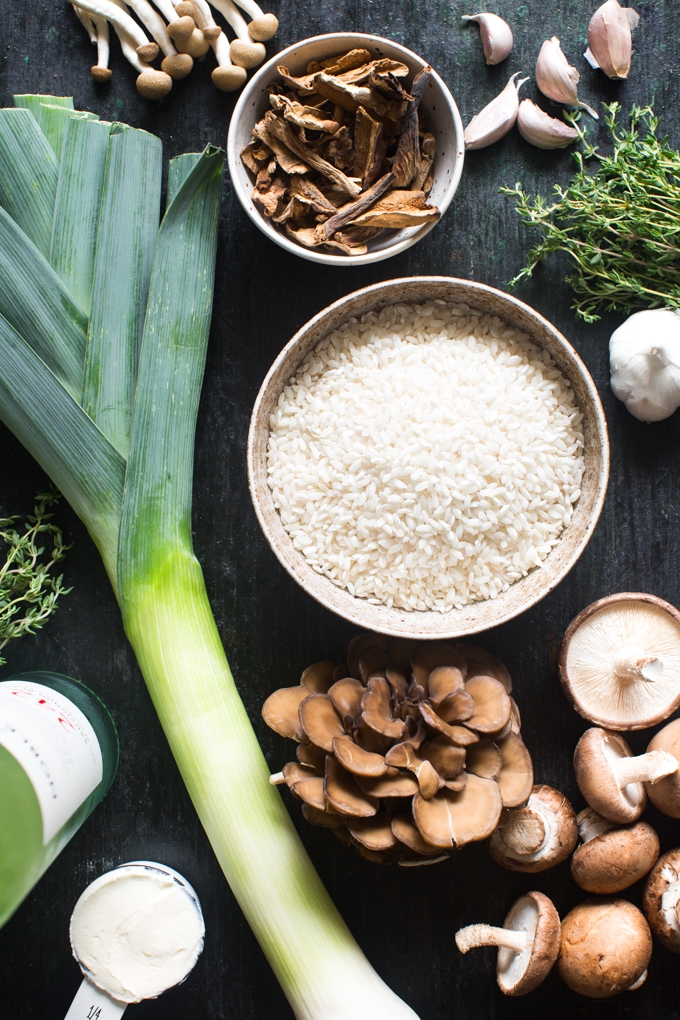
138, 512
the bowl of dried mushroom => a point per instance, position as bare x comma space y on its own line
345, 148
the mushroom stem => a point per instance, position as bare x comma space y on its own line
644, 768
277, 778
263, 26
226, 76
632, 663
87, 23
118, 17
476, 935
101, 71
205, 21
155, 25
244, 52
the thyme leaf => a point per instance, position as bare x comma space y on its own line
28, 590
620, 226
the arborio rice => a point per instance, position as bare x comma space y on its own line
426, 457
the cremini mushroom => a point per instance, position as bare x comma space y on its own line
263, 26
244, 51
611, 779
528, 943
620, 661
537, 836
661, 900
611, 859
606, 948
665, 795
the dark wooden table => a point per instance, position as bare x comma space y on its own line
405, 920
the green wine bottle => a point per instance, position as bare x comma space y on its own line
58, 757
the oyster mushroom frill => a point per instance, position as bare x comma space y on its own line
410, 751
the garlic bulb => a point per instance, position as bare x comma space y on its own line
541, 130
609, 41
556, 78
496, 36
644, 356
496, 119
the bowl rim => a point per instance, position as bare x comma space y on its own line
348, 612
311, 254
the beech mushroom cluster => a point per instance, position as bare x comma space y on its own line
410, 750
183, 31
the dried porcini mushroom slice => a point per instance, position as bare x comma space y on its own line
344, 794
346, 61
390, 734
399, 209
484, 759
281, 712
356, 760
406, 162
374, 833
320, 721
516, 777
318, 677
453, 819
376, 708
442, 681
427, 655
492, 704
302, 116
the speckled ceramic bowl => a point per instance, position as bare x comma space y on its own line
477, 616
438, 105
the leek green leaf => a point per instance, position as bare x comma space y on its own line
77, 457
178, 170
38, 305
76, 209
53, 123
34, 102
28, 176
128, 225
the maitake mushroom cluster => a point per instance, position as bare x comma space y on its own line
184, 30
408, 751
344, 152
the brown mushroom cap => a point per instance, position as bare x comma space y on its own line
661, 900
177, 65
516, 777
665, 794
620, 661
453, 819
538, 836
427, 655
606, 947
318, 677
356, 760
407, 833
484, 759
346, 695
281, 712
615, 859
152, 84
344, 794
482, 663
374, 833
356, 647
492, 704
319, 720
528, 942
600, 759
443, 681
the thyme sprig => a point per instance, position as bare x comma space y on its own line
620, 225
28, 591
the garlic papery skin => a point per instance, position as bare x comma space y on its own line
556, 78
644, 358
541, 130
609, 40
496, 36
496, 119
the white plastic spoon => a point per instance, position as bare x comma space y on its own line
136, 931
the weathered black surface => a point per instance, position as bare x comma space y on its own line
404, 919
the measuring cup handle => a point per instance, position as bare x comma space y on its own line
92, 1004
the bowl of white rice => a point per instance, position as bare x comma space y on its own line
428, 457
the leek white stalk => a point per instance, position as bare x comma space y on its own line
138, 513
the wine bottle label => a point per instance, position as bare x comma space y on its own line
56, 746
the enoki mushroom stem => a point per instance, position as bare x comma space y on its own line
244, 51
645, 768
632, 663
477, 935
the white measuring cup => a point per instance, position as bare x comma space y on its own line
167, 957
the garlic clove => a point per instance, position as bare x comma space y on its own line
541, 130
496, 36
496, 119
644, 357
556, 78
610, 44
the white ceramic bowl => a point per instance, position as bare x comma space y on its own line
442, 116
476, 616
